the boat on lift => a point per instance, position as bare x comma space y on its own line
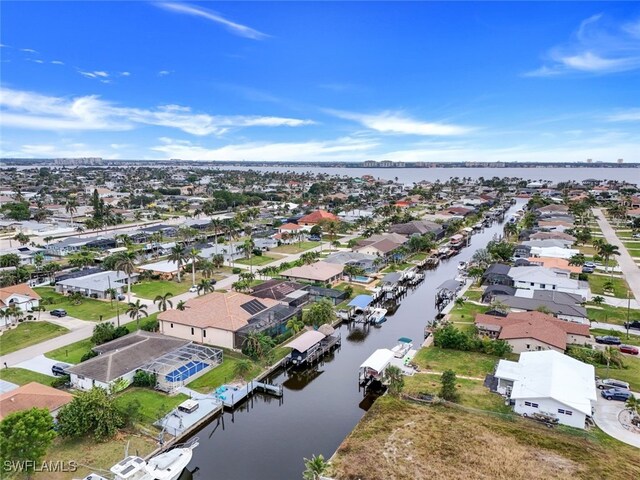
402, 348
378, 316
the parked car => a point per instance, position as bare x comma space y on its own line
589, 265
608, 340
632, 324
314, 238
636, 235
193, 289
586, 269
607, 383
630, 349
58, 312
59, 369
121, 297
617, 394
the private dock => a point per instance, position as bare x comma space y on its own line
312, 346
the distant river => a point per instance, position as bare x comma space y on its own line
410, 175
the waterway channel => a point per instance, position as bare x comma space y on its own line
268, 438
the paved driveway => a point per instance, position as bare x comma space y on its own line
39, 363
606, 417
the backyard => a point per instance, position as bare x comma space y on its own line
154, 405
223, 373
27, 334
469, 364
90, 309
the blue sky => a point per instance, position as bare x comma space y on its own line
416, 81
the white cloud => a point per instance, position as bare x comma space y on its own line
57, 62
596, 47
28, 50
125, 74
397, 123
341, 149
38, 61
233, 27
97, 74
631, 115
29, 110
164, 73
59, 150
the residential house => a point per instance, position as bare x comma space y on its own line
96, 285
497, 274
419, 227
533, 331
540, 278
33, 395
314, 218
21, 296
549, 382
316, 272
290, 293
368, 263
565, 306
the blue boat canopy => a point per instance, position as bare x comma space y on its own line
361, 301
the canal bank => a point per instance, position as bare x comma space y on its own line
267, 438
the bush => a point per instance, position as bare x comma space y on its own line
150, 326
131, 412
144, 379
236, 270
90, 413
90, 354
61, 382
454, 339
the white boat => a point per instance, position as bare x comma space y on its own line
462, 265
164, 466
377, 316
402, 348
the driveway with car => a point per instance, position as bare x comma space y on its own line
40, 364
606, 418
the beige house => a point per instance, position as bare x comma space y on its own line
33, 395
214, 319
316, 272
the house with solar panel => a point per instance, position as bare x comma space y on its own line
224, 319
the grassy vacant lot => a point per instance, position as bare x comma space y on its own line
597, 282
295, 247
223, 373
89, 309
608, 314
86, 451
73, 352
629, 373
27, 334
469, 364
154, 405
149, 289
259, 261
21, 376
401, 440
466, 312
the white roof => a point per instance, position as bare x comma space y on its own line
378, 360
508, 370
305, 341
164, 266
554, 252
550, 374
542, 275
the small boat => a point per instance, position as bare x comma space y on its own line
462, 265
402, 348
164, 466
377, 316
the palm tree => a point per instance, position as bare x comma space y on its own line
163, 301
111, 292
395, 379
315, 468
598, 300
295, 325
182, 305
137, 310
126, 263
242, 368
606, 251
577, 259
194, 256
247, 248
71, 207
633, 405
205, 286
178, 256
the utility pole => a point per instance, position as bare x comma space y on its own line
628, 311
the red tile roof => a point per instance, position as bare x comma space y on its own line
317, 217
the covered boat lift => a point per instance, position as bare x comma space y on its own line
374, 367
312, 345
359, 307
446, 292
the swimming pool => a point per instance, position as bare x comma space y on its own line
186, 371
362, 279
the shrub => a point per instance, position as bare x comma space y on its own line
150, 325
88, 355
61, 382
144, 379
236, 270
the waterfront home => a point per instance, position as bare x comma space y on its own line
333, 295
551, 383
119, 359
223, 319
497, 274
290, 293
532, 331
552, 236
541, 278
33, 395
565, 306
323, 272
362, 260
554, 262
418, 227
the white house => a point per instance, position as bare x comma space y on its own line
551, 383
554, 252
21, 296
541, 278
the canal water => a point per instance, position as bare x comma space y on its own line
268, 438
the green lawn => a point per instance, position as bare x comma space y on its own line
27, 334
630, 373
608, 314
597, 282
89, 309
21, 376
73, 352
634, 252
469, 364
357, 290
259, 261
296, 247
466, 312
154, 405
223, 373
149, 289
397, 267
632, 340
417, 257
